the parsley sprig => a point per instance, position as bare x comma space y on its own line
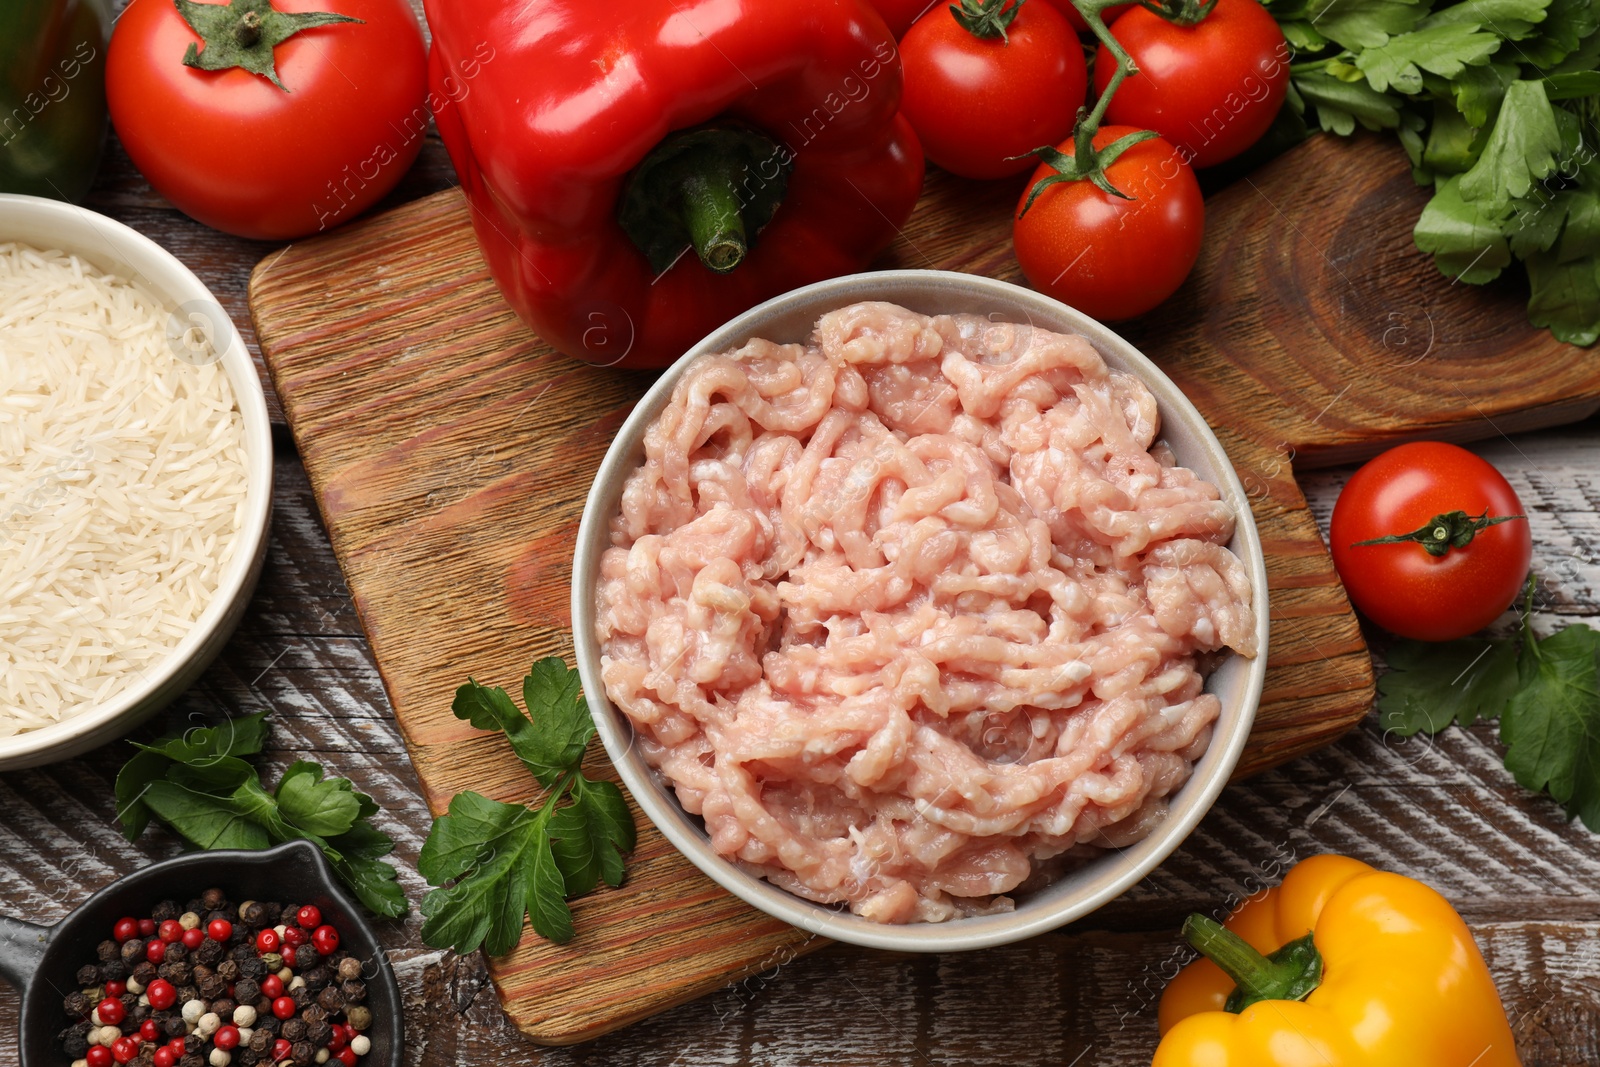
200, 785
1544, 690
1497, 104
496, 862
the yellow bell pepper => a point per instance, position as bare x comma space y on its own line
1340, 966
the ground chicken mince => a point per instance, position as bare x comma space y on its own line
909, 612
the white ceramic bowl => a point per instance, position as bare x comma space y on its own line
1237, 681
115, 248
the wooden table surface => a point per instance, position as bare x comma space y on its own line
1443, 810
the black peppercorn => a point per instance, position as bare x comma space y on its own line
331, 999
294, 1029
213, 898
228, 970
76, 1044
201, 972
210, 953
128, 1026
305, 957
316, 978
88, 975
132, 951
145, 973
139, 1012
172, 1025
301, 997
253, 914
260, 1041
224, 1006
318, 1032
192, 1059
211, 987
186, 993
251, 967
354, 992
108, 951
242, 952
314, 1013
246, 990
176, 953
193, 904
246, 1057
166, 909
302, 1053
115, 971
349, 968
269, 1023
289, 915
176, 973
77, 1004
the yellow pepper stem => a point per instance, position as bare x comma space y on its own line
1290, 973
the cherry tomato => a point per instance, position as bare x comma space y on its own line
900, 14
1108, 16
1404, 588
1111, 258
975, 102
237, 152
1211, 89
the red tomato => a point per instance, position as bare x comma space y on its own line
1108, 16
900, 14
1112, 258
1403, 588
1212, 89
236, 152
975, 102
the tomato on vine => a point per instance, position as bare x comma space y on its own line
989, 81
1111, 255
900, 14
1430, 541
1075, 17
1212, 87
269, 118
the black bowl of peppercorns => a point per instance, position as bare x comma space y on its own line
211, 959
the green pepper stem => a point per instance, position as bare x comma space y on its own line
712, 213
1291, 973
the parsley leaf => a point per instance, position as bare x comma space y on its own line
1521, 149
493, 863
1565, 298
200, 785
1341, 104
1445, 50
1479, 91
1430, 686
1552, 726
1467, 242
1363, 23
1510, 19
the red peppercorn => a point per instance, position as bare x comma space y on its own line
116, 989
268, 940
226, 1037
219, 930
281, 1049
272, 987
98, 1056
325, 939
147, 928
164, 1057
156, 952
170, 931
149, 1030
161, 994
336, 1040
126, 929
309, 917
124, 1050
111, 1011
346, 1056
193, 939
293, 937
284, 1007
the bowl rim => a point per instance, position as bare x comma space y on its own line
112, 246
1191, 802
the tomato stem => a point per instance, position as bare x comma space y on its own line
1088, 126
248, 32
987, 19
1437, 536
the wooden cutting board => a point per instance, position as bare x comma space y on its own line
451, 452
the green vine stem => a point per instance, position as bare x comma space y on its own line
1091, 10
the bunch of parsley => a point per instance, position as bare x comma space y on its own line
1497, 103
1544, 690
492, 861
199, 784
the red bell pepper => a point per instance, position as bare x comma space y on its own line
597, 142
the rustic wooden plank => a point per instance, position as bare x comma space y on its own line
451, 452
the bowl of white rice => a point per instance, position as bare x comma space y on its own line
135, 479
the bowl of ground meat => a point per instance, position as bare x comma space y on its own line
920, 611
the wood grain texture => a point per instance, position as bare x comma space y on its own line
1445, 811
451, 453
